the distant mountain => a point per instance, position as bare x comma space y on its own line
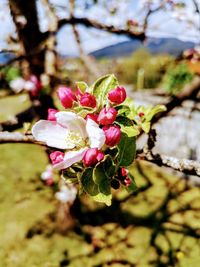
171, 46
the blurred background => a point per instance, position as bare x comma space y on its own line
153, 48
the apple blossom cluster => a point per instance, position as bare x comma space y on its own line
93, 140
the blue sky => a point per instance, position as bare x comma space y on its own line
162, 24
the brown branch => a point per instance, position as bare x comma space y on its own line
18, 121
7, 137
101, 26
186, 166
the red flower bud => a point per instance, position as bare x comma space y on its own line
51, 114
127, 181
92, 157
124, 172
118, 95
112, 134
66, 96
107, 116
88, 100
141, 114
56, 157
92, 116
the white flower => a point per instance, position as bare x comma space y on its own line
69, 131
29, 86
67, 194
17, 85
47, 174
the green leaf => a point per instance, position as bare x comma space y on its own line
102, 174
107, 199
124, 121
127, 126
101, 88
123, 110
127, 150
132, 187
130, 130
82, 86
88, 184
92, 189
112, 151
83, 111
130, 103
146, 126
153, 111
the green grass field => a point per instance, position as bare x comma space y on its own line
120, 235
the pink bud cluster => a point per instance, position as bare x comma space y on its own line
124, 174
105, 118
68, 98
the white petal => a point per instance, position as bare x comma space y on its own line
96, 135
53, 134
46, 175
17, 84
29, 86
72, 121
70, 158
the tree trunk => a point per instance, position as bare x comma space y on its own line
24, 13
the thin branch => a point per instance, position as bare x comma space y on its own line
101, 26
189, 92
7, 137
186, 166
87, 60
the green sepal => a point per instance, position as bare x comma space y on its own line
82, 86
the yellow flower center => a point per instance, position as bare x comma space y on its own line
75, 139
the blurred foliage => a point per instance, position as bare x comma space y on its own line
176, 77
11, 72
153, 67
7, 74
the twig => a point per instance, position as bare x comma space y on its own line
7, 137
98, 25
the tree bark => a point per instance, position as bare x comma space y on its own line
25, 17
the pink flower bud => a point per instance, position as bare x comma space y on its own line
49, 182
92, 157
124, 172
112, 134
118, 95
37, 85
56, 157
92, 116
88, 100
51, 114
127, 181
107, 116
66, 96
